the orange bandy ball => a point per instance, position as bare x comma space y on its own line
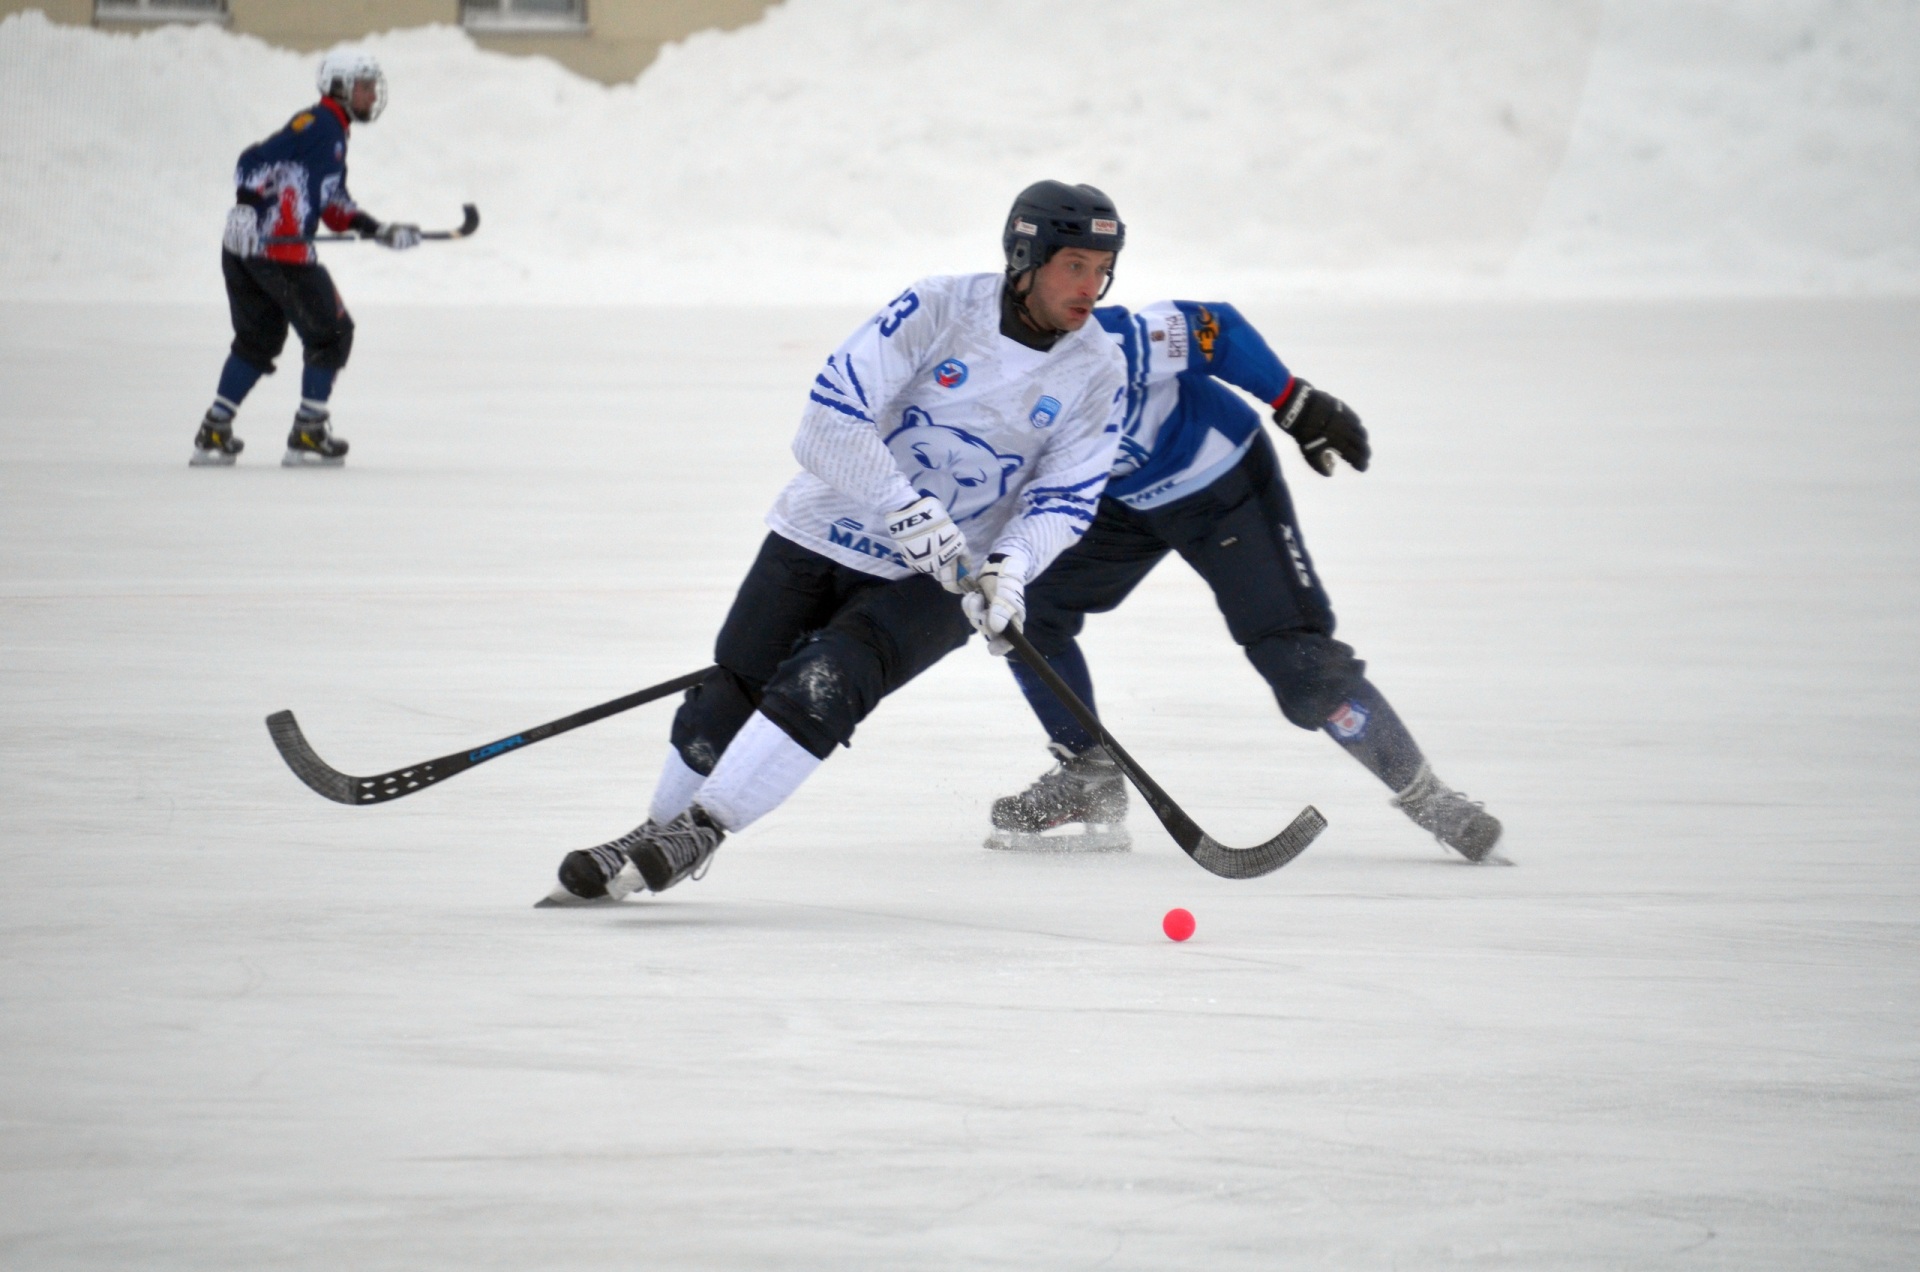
1178, 924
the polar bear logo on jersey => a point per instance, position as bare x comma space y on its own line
951, 464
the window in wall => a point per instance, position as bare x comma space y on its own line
524, 15
160, 10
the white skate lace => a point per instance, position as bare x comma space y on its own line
683, 846
1434, 806
615, 853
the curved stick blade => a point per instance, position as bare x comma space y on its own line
322, 777
345, 788
1251, 863
1209, 853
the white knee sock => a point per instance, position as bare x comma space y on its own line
761, 767
675, 789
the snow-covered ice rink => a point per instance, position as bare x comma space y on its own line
1644, 576
1628, 293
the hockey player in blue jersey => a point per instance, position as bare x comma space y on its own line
285, 188
1196, 474
964, 431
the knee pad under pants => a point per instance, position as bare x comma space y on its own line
814, 646
330, 347
838, 675
712, 712
265, 297
823, 692
1311, 674
832, 682
316, 311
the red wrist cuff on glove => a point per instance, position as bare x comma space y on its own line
1285, 393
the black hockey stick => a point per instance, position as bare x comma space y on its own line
343, 788
469, 222
1213, 856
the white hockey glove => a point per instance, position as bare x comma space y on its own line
1000, 603
929, 541
397, 235
242, 235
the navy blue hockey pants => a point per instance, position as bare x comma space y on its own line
1239, 535
814, 645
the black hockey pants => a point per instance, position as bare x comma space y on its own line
265, 297
1239, 535
814, 645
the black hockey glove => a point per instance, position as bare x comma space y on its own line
1324, 426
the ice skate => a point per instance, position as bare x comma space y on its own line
1080, 806
1462, 824
598, 876
215, 446
682, 848
312, 443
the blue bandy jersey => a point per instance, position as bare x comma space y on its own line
295, 179
1182, 427
929, 398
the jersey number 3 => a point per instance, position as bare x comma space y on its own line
898, 310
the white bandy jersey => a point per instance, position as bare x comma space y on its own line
929, 398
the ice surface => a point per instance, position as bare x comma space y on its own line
838, 147
1641, 576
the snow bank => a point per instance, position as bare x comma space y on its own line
840, 146
1766, 145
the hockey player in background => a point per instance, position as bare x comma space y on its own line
1196, 474
964, 432
285, 187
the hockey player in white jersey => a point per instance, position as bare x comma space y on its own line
1196, 474
964, 432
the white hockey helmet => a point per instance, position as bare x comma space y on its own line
341, 69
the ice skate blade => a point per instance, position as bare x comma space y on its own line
1079, 837
307, 459
619, 888
561, 899
211, 459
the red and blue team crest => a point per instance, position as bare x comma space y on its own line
951, 374
1348, 721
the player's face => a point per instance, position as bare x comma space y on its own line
365, 93
1066, 287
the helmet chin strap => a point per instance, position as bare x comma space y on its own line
1018, 298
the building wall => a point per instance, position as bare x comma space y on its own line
620, 39
72, 12
317, 24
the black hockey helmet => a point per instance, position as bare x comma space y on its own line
1050, 215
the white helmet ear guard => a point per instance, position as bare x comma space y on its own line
341, 69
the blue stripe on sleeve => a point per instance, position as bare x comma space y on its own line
858, 388
1071, 514
1036, 491
842, 407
